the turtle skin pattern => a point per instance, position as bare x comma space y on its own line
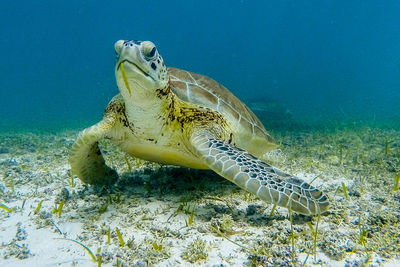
268, 183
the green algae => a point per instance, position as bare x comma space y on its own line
396, 181
58, 209
120, 239
39, 206
196, 251
4, 207
85, 247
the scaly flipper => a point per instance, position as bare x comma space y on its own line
86, 159
268, 183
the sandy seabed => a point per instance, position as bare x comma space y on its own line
167, 216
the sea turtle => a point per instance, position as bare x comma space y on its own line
176, 117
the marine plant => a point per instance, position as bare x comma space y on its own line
345, 190
247, 196
183, 207
223, 200
219, 233
23, 204
4, 207
99, 257
226, 224
196, 251
58, 209
396, 181
71, 182
189, 222
138, 163
120, 239
38, 207
10, 182
85, 247
387, 148
157, 247
103, 208
273, 211
363, 236
55, 225
108, 235
292, 237
363, 239
128, 163
315, 236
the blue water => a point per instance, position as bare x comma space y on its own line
327, 59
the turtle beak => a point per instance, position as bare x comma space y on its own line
124, 78
118, 46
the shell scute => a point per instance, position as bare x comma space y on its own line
201, 90
196, 92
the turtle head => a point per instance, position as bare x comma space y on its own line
139, 69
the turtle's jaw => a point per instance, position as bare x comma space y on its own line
133, 67
133, 78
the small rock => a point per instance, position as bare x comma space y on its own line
13, 161
251, 209
221, 209
4, 150
63, 195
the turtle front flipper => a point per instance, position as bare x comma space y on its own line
255, 176
86, 159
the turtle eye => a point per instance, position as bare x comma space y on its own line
152, 52
149, 54
149, 50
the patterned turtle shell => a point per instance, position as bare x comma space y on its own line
204, 91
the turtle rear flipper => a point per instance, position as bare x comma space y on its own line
268, 183
86, 159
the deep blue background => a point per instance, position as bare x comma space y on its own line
320, 58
